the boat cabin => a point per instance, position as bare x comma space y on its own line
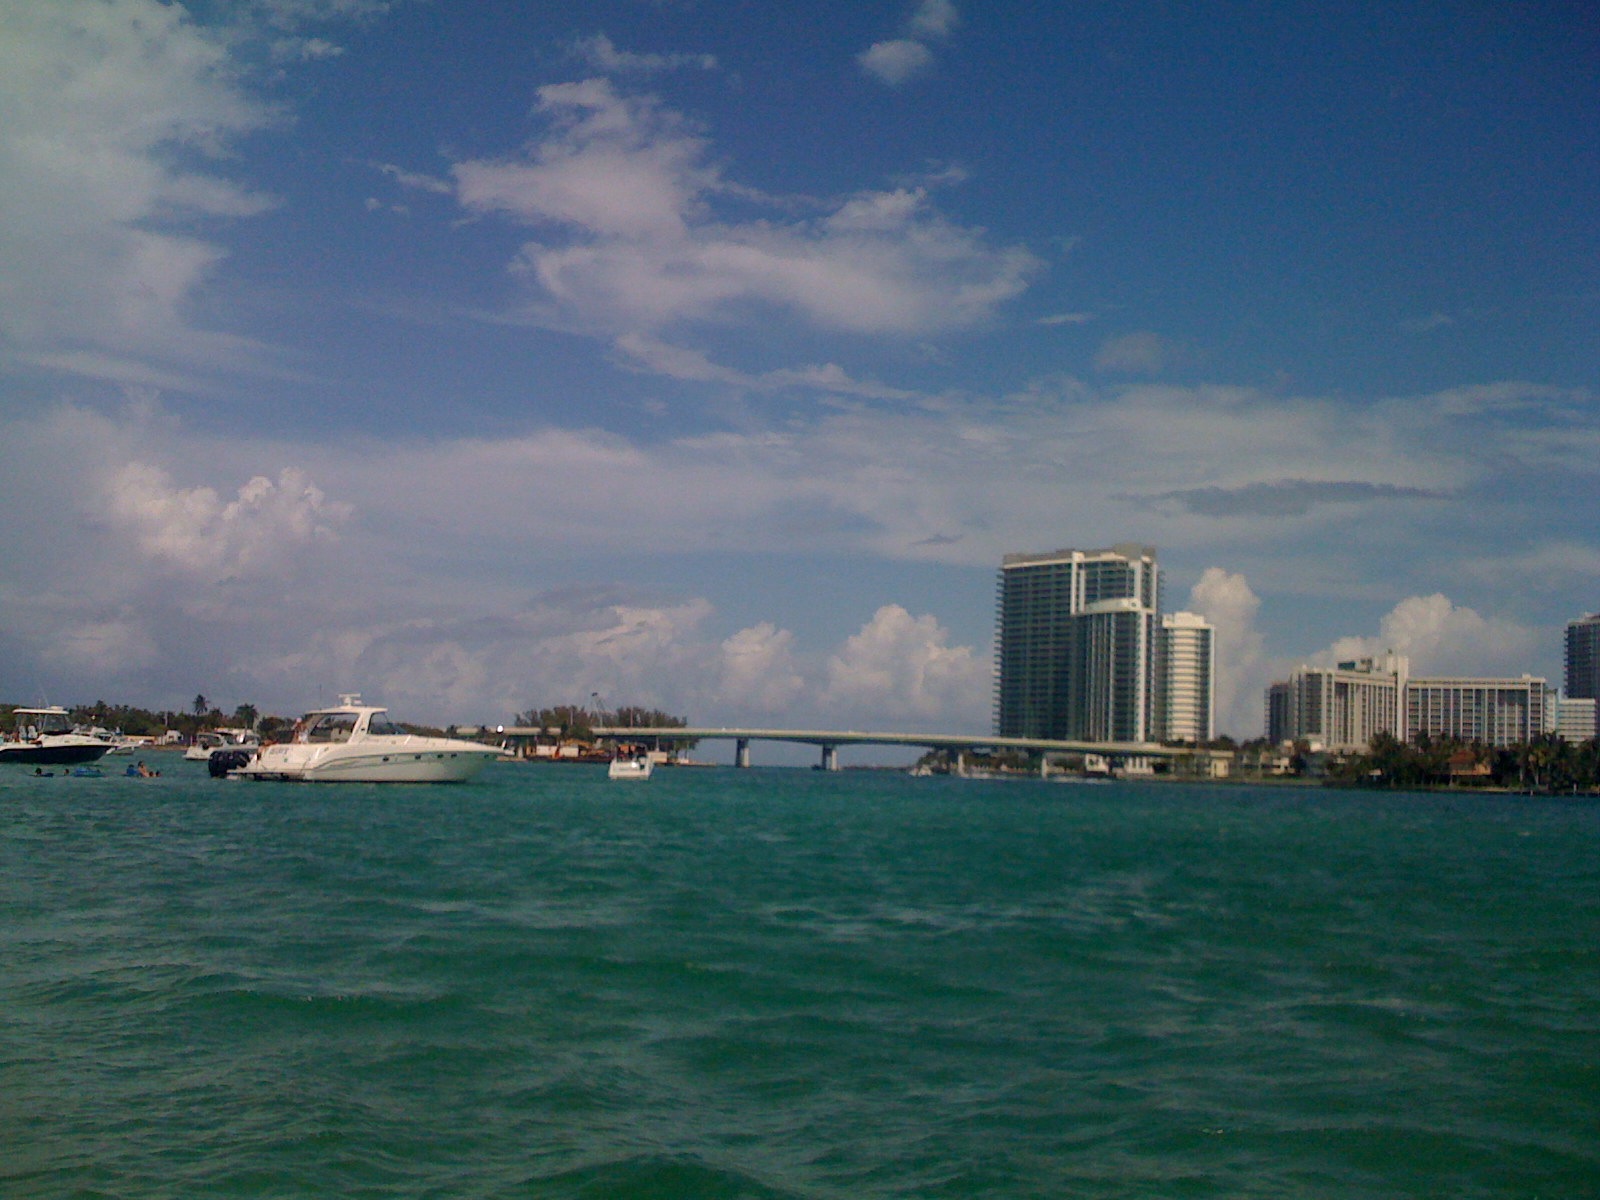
34, 723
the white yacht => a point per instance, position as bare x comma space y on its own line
46, 736
351, 742
209, 741
637, 767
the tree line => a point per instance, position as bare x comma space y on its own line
1547, 763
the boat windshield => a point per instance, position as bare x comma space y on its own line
33, 723
381, 724
332, 727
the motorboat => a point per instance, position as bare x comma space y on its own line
46, 736
638, 766
352, 742
208, 741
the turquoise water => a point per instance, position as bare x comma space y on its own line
786, 983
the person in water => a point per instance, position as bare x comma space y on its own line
140, 770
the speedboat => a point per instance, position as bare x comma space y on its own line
351, 742
46, 736
637, 767
208, 741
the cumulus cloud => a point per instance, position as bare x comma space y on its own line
934, 19
759, 671
567, 647
1226, 600
903, 666
165, 512
898, 60
1442, 638
895, 61
625, 200
102, 103
194, 530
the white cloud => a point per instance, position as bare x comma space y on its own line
305, 49
679, 362
1442, 638
1226, 600
901, 666
934, 19
1141, 353
602, 54
93, 254
195, 531
894, 62
625, 196
759, 671
216, 544
898, 60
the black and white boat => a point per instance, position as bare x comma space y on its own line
45, 737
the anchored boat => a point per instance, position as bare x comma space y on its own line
352, 742
46, 736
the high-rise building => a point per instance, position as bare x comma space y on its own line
1496, 712
1075, 644
1185, 671
1339, 708
1583, 657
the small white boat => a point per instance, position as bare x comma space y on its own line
637, 767
46, 736
351, 742
208, 741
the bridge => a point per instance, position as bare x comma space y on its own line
829, 741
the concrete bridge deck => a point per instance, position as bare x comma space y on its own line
829, 740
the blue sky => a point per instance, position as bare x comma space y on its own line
710, 356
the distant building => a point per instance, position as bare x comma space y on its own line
1583, 658
1495, 712
1075, 643
1185, 672
1575, 718
1339, 709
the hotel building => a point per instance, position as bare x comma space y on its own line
1185, 671
1342, 709
1075, 642
1496, 712
1339, 709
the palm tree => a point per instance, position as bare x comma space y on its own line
245, 715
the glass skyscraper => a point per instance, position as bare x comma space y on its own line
1075, 642
1583, 657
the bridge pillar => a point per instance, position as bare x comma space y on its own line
830, 758
741, 752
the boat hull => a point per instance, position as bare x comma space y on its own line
422, 766
63, 754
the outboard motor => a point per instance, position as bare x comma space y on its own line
223, 761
